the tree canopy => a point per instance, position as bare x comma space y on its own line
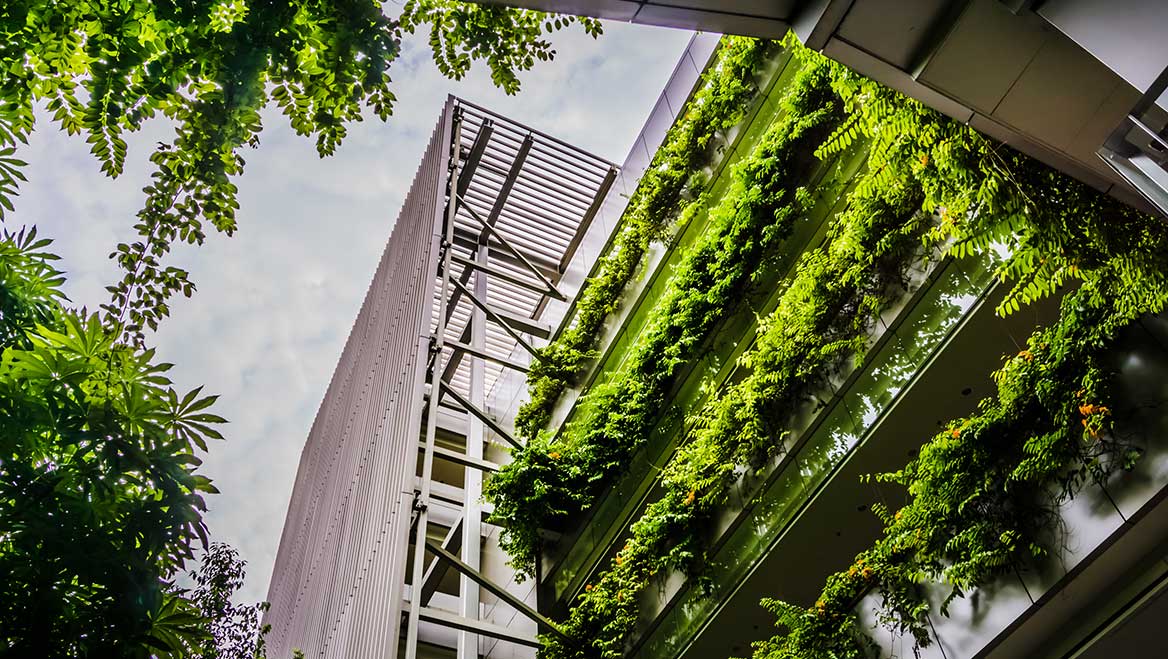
103, 68
101, 502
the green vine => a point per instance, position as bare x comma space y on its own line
819, 322
720, 103
977, 504
980, 501
979, 489
550, 482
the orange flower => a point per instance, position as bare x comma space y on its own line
1027, 355
955, 433
689, 497
588, 588
619, 559
867, 572
899, 514
924, 160
554, 455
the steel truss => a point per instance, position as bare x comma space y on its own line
456, 307
514, 207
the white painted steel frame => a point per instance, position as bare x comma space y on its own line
433, 334
340, 568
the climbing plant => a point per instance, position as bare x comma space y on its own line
980, 502
670, 185
104, 69
819, 322
977, 489
551, 481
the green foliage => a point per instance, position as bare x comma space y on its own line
832, 298
509, 41
667, 188
234, 630
102, 502
551, 482
979, 490
103, 69
30, 287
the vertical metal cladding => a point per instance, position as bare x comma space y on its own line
336, 588
492, 200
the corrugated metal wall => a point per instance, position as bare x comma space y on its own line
336, 589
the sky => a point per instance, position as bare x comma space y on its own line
275, 302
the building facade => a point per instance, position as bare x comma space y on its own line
476, 263
674, 379
1078, 84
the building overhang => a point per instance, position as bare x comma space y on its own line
1052, 79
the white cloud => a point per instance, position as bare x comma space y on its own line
276, 301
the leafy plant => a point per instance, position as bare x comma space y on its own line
979, 489
104, 69
550, 482
980, 499
235, 630
102, 503
101, 500
668, 188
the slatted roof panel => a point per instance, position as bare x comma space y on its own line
540, 194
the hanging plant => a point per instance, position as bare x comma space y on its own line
977, 488
747, 228
720, 103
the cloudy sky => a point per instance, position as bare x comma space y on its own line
276, 301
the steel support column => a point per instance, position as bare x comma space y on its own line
468, 642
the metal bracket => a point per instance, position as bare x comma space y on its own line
447, 619
482, 416
496, 590
490, 313
552, 290
467, 348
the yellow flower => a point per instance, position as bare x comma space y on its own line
1027, 355
689, 497
554, 455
